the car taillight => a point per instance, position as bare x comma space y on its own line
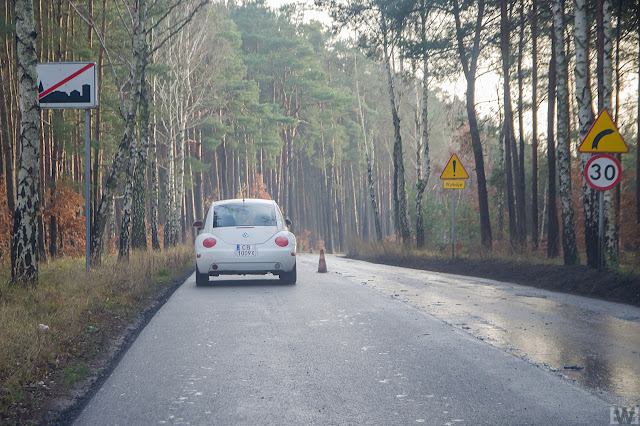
209, 242
282, 241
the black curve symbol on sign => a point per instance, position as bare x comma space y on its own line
599, 136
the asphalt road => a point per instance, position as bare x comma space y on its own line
592, 342
328, 350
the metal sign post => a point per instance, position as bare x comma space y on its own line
453, 224
453, 177
601, 230
87, 185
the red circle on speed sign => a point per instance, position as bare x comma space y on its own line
602, 172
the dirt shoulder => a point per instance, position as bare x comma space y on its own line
60, 405
576, 279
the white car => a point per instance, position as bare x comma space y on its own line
245, 237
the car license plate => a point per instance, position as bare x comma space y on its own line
246, 250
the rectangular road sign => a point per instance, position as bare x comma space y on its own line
453, 184
68, 85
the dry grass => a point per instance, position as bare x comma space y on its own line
501, 251
51, 332
529, 267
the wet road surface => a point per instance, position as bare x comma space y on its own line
593, 342
328, 350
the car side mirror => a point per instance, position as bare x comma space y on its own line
198, 224
288, 222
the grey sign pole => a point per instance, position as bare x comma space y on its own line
453, 224
601, 230
87, 183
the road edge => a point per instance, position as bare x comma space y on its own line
69, 407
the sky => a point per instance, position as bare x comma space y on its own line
309, 15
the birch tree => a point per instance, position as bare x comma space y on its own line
521, 178
553, 234
24, 245
136, 72
155, 181
511, 154
585, 120
605, 74
184, 56
399, 187
569, 247
139, 15
139, 192
369, 157
423, 160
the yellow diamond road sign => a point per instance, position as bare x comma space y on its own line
454, 169
603, 137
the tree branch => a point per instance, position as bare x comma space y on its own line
106, 51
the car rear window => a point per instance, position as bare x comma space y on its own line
244, 214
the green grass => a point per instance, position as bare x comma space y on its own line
162, 275
51, 331
74, 374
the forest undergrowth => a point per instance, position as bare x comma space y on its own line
528, 267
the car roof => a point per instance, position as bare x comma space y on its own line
245, 200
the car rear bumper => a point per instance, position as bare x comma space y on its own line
229, 264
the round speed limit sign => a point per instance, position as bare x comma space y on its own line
602, 172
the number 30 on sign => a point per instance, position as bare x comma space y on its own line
602, 172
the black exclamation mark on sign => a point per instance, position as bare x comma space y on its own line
454, 167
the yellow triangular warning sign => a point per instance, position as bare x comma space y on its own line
454, 169
603, 136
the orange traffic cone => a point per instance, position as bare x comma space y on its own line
322, 265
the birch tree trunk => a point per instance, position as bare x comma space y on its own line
521, 179
177, 212
569, 247
138, 213
197, 196
24, 244
511, 160
553, 227
585, 120
399, 190
97, 153
170, 239
604, 98
137, 64
422, 153
125, 227
370, 156
155, 180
